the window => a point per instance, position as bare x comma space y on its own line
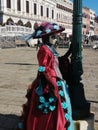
91, 22
19, 5
57, 16
8, 3
47, 12
52, 14
41, 10
84, 26
35, 9
27, 6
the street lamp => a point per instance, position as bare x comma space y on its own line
80, 107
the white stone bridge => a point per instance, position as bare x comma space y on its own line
9, 35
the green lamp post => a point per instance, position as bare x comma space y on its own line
80, 107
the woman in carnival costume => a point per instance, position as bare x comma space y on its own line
48, 104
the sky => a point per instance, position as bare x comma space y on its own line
92, 4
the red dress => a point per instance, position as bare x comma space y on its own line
32, 117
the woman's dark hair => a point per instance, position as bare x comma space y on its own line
45, 40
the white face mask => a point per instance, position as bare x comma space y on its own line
53, 39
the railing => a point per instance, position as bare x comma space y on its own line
14, 30
9, 35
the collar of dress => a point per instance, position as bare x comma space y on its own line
53, 50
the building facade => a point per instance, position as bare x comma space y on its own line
64, 15
96, 26
28, 12
88, 20
85, 21
92, 22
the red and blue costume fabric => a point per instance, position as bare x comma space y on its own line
48, 104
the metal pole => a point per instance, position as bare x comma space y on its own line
80, 107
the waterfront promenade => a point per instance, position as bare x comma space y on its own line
18, 68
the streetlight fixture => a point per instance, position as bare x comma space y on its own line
80, 107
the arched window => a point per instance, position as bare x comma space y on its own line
20, 23
10, 22
28, 24
35, 25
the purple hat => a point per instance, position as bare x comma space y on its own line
47, 28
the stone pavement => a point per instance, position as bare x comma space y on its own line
18, 68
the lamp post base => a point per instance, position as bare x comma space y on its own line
80, 107
85, 124
81, 113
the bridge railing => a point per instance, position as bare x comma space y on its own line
14, 30
9, 35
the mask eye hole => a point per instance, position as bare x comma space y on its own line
53, 36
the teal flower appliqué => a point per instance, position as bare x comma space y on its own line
67, 116
64, 105
56, 27
59, 83
40, 106
42, 99
51, 99
20, 125
46, 104
45, 111
38, 33
61, 93
51, 108
48, 31
41, 69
